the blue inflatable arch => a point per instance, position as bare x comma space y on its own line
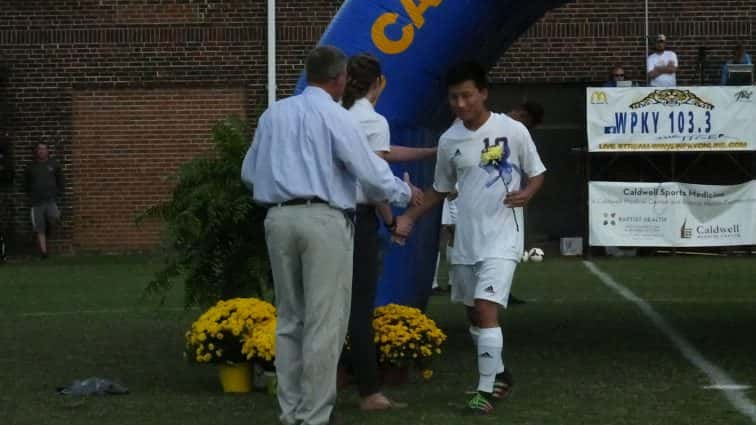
416, 41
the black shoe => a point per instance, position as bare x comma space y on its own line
515, 300
503, 385
336, 420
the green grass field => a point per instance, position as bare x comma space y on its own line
581, 353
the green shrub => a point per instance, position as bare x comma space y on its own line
214, 234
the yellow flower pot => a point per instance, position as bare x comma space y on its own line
236, 378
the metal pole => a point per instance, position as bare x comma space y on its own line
646, 40
271, 51
586, 204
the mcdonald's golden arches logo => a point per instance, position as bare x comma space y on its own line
599, 97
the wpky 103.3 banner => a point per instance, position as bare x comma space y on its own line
671, 214
622, 119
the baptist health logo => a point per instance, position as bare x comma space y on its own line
599, 98
685, 231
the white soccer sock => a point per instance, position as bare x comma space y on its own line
490, 344
435, 274
475, 334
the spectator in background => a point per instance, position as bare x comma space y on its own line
662, 65
44, 184
739, 57
616, 74
530, 114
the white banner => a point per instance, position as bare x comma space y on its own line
671, 214
622, 119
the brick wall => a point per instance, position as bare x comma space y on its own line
125, 143
146, 51
54, 56
581, 41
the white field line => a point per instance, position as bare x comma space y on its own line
717, 376
103, 311
727, 387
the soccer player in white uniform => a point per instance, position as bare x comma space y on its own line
485, 154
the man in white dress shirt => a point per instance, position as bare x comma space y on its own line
662, 65
307, 155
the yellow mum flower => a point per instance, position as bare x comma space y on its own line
405, 335
491, 154
246, 320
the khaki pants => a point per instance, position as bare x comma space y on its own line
310, 249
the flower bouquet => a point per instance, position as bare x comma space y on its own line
406, 337
495, 160
237, 332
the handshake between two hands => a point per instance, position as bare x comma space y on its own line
404, 223
416, 193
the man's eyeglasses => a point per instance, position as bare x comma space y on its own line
618, 75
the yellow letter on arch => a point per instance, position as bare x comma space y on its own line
383, 43
416, 11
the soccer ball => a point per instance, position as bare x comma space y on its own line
525, 257
535, 255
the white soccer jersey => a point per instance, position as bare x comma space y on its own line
486, 228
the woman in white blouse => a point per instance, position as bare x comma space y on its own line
365, 82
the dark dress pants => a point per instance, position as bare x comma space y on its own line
362, 356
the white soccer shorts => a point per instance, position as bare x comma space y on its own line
490, 280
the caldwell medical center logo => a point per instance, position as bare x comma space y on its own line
709, 231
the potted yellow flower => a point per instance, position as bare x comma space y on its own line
234, 333
405, 337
